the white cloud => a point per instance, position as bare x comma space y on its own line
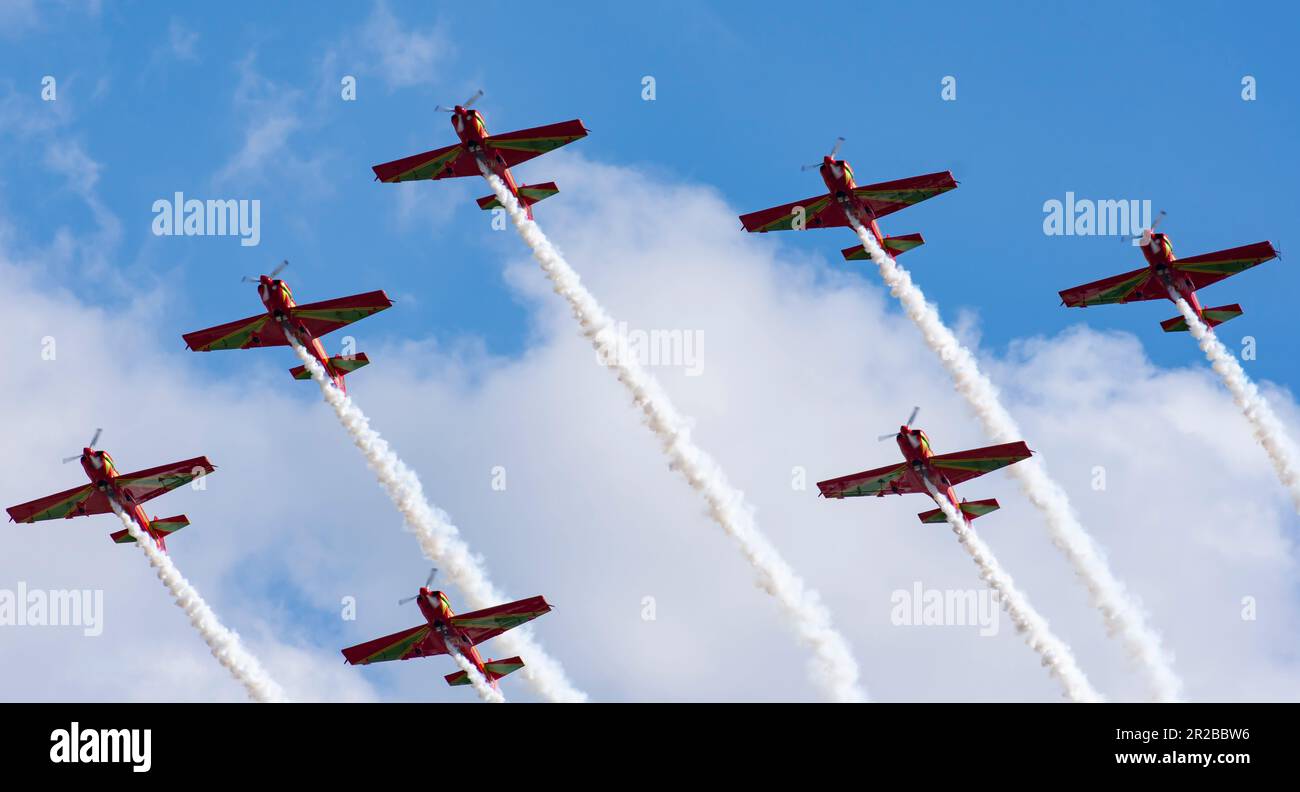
406, 55
18, 16
182, 41
85, 254
272, 115
804, 364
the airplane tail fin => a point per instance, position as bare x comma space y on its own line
529, 194
495, 670
340, 365
894, 245
972, 510
162, 527
1213, 318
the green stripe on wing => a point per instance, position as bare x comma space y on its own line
786, 222
1119, 291
538, 144
398, 649
237, 339
63, 507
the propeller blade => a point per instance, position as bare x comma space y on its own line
810, 167
1147, 233
248, 279
835, 149
407, 599
441, 109
95, 439
470, 101
912, 417
69, 459
280, 268
885, 437
432, 573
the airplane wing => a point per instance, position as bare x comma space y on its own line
325, 317
966, 465
144, 485
888, 197
820, 211
521, 146
76, 502
440, 163
1214, 267
402, 645
891, 480
481, 625
255, 331
1140, 284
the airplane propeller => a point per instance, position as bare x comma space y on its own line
467, 103
278, 269
910, 418
91, 444
432, 573
1148, 232
834, 150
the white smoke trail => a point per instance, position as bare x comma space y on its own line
484, 690
224, 643
1268, 429
1056, 655
833, 668
438, 538
1122, 615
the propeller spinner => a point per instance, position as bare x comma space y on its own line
834, 150
1147, 233
467, 103
432, 574
94, 439
910, 418
278, 269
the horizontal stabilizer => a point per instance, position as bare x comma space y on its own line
972, 510
342, 364
1213, 318
529, 194
895, 246
162, 527
495, 670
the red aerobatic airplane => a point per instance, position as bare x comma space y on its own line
928, 473
446, 630
498, 153
1164, 273
866, 203
128, 490
307, 323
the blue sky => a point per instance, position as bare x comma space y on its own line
1105, 100
478, 363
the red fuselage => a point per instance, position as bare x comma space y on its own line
278, 299
838, 175
473, 135
1159, 253
916, 449
437, 611
102, 472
